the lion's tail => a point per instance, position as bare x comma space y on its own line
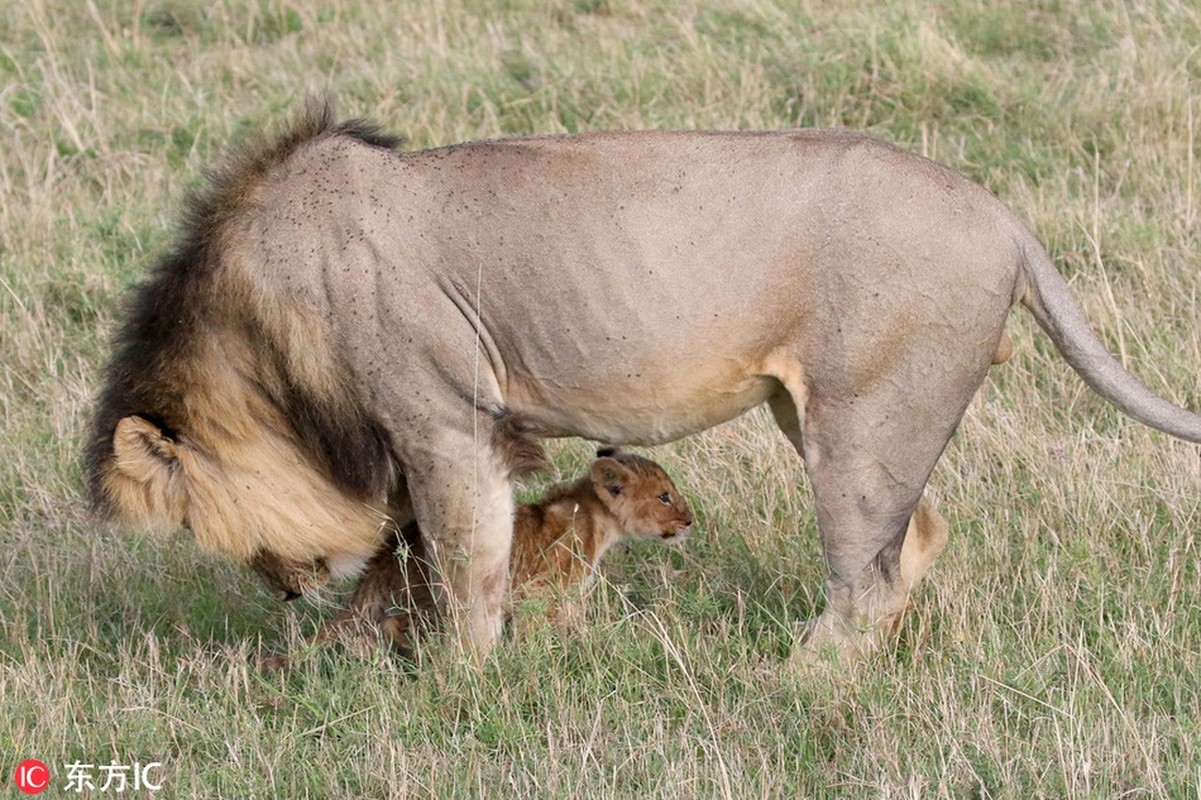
1051, 302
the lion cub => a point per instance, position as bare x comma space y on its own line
558, 543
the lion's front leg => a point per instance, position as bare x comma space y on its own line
463, 500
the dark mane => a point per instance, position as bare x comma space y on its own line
165, 313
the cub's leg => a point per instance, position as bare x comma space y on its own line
463, 501
393, 597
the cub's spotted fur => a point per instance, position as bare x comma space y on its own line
558, 543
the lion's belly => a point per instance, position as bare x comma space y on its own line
642, 409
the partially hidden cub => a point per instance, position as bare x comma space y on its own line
558, 543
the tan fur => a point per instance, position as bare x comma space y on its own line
558, 544
348, 336
289, 578
1004, 349
259, 494
235, 469
925, 539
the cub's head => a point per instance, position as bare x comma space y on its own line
640, 495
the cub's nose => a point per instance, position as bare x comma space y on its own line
679, 529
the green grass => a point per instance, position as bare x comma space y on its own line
1053, 653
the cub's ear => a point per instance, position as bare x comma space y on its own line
611, 475
142, 452
607, 451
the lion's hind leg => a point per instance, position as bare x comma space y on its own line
868, 456
925, 539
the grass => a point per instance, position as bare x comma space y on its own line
1053, 653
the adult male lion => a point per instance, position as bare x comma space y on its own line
346, 332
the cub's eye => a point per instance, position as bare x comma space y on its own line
665, 498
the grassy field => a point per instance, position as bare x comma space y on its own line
1056, 649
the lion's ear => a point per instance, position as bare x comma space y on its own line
144, 478
141, 451
610, 475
